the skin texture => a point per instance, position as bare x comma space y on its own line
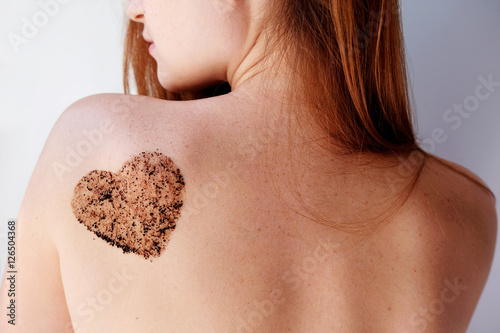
242, 243
135, 209
245, 255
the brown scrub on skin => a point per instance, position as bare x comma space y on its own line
135, 209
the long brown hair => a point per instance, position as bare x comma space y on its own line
348, 65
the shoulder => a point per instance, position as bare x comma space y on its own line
101, 108
96, 130
81, 131
458, 218
451, 169
103, 131
100, 111
451, 184
448, 238
459, 199
139, 117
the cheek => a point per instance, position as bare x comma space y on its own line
173, 32
177, 21
191, 45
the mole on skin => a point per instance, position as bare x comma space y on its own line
135, 209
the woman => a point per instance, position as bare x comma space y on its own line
299, 201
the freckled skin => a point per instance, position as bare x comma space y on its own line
135, 209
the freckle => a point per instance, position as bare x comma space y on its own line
389, 308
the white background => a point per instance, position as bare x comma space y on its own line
78, 52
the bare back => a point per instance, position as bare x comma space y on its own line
243, 256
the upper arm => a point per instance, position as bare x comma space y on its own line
474, 201
474, 253
40, 304
463, 221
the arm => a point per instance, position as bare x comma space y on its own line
40, 304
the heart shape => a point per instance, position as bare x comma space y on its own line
135, 209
